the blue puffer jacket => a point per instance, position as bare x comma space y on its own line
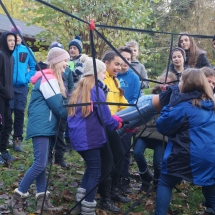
88, 133
24, 66
45, 106
190, 151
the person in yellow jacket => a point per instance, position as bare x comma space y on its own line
113, 151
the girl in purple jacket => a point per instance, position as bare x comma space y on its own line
86, 130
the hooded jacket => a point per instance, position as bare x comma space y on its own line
87, 132
191, 147
140, 68
24, 66
45, 107
6, 67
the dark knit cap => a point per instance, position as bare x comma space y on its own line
56, 44
13, 30
213, 38
77, 42
181, 50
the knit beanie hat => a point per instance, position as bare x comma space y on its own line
88, 68
181, 50
77, 42
213, 38
56, 55
13, 30
56, 44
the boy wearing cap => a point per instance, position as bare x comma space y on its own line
24, 69
75, 52
7, 42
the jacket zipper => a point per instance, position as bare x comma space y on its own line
50, 115
17, 65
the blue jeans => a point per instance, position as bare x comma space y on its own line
144, 115
139, 149
38, 170
165, 185
92, 173
17, 106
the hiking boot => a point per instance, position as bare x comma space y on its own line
105, 202
125, 185
16, 204
2, 161
47, 204
146, 177
17, 145
61, 163
7, 157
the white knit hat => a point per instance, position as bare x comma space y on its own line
56, 55
88, 68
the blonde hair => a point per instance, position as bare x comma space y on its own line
82, 95
59, 77
195, 79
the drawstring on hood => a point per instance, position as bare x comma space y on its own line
3, 42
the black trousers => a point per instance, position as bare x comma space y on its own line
5, 125
111, 153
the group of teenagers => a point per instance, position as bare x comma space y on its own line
181, 107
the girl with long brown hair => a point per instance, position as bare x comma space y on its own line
195, 57
190, 151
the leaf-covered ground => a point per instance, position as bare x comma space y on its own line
64, 182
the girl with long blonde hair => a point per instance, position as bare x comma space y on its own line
44, 110
86, 130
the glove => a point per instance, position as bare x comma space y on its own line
128, 130
119, 120
164, 96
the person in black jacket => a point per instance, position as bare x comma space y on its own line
195, 57
8, 43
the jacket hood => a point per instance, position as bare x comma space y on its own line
42, 65
207, 104
39, 74
135, 61
3, 42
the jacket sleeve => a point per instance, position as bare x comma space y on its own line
54, 99
144, 84
32, 65
203, 61
105, 114
136, 90
171, 119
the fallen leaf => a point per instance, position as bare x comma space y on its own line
68, 196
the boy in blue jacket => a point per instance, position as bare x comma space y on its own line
130, 83
24, 69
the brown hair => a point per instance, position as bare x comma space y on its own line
156, 89
208, 71
82, 95
195, 79
109, 56
193, 52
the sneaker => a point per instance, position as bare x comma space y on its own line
2, 161
7, 157
17, 145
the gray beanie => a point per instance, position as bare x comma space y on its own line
56, 55
88, 68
